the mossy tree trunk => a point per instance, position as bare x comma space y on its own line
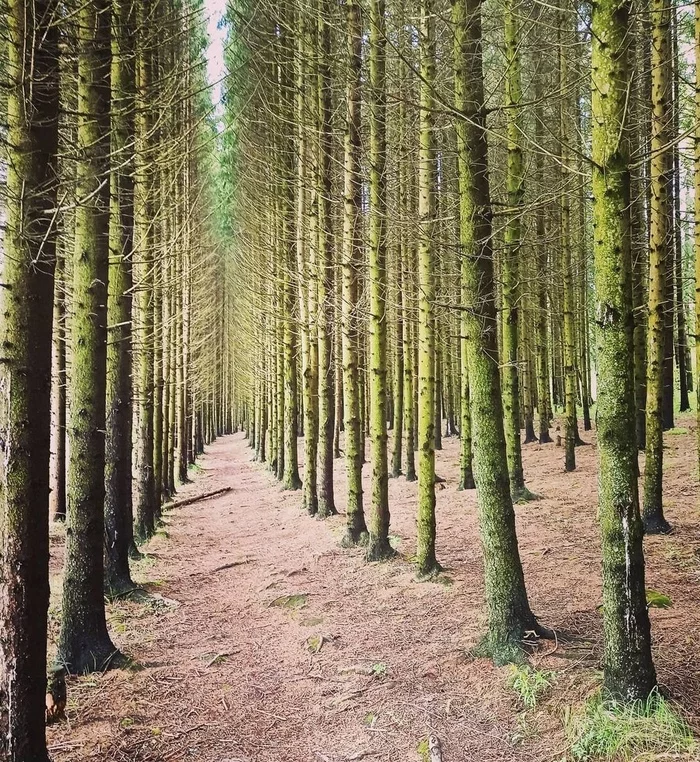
510, 261
569, 323
145, 508
509, 614
26, 304
118, 497
426, 563
378, 547
326, 405
84, 644
627, 665
660, 242
351, 263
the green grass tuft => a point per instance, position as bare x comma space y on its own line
638, 731
529, 684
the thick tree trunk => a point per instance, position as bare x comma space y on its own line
627, 665
84, 644
26, 304
509, 614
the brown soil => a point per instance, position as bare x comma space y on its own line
227, 674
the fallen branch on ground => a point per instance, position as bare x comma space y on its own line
189, 500
223, 566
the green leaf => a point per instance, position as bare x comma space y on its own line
657, 600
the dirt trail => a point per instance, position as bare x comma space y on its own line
226, 675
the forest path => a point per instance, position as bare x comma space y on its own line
229, 675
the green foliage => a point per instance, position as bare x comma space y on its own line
424, 750
656, 600
529, 684
379, 669
638, 731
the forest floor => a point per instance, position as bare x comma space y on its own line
361, 661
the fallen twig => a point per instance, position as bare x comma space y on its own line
230, 565
189, 500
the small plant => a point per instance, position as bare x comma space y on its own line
379, 669
613, 731
656, 600
529, 684
423, 750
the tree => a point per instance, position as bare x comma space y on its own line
378, 547
426, 563
659, 253
627, 665
84, 644
118, 498
509, 614
26, 303
351, 257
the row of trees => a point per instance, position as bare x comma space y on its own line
110, 264
416, 248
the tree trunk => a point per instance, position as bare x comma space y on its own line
351, 262
84, 644
627, 665
660, 253
118, 499
378, 547
26, 304
509, 614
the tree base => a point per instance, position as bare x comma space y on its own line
354, 538
395, 473
466, 482
545, 438
523, 495
429, 572
656, 525
292, 483
411, 476
326, 511
96, 658
134, 553
120, 588
513, 648
379, 549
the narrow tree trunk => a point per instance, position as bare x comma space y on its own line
659, 254
326, 404
57, 479
510, 263
378, 547
118, 499
351, 261
426, 563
